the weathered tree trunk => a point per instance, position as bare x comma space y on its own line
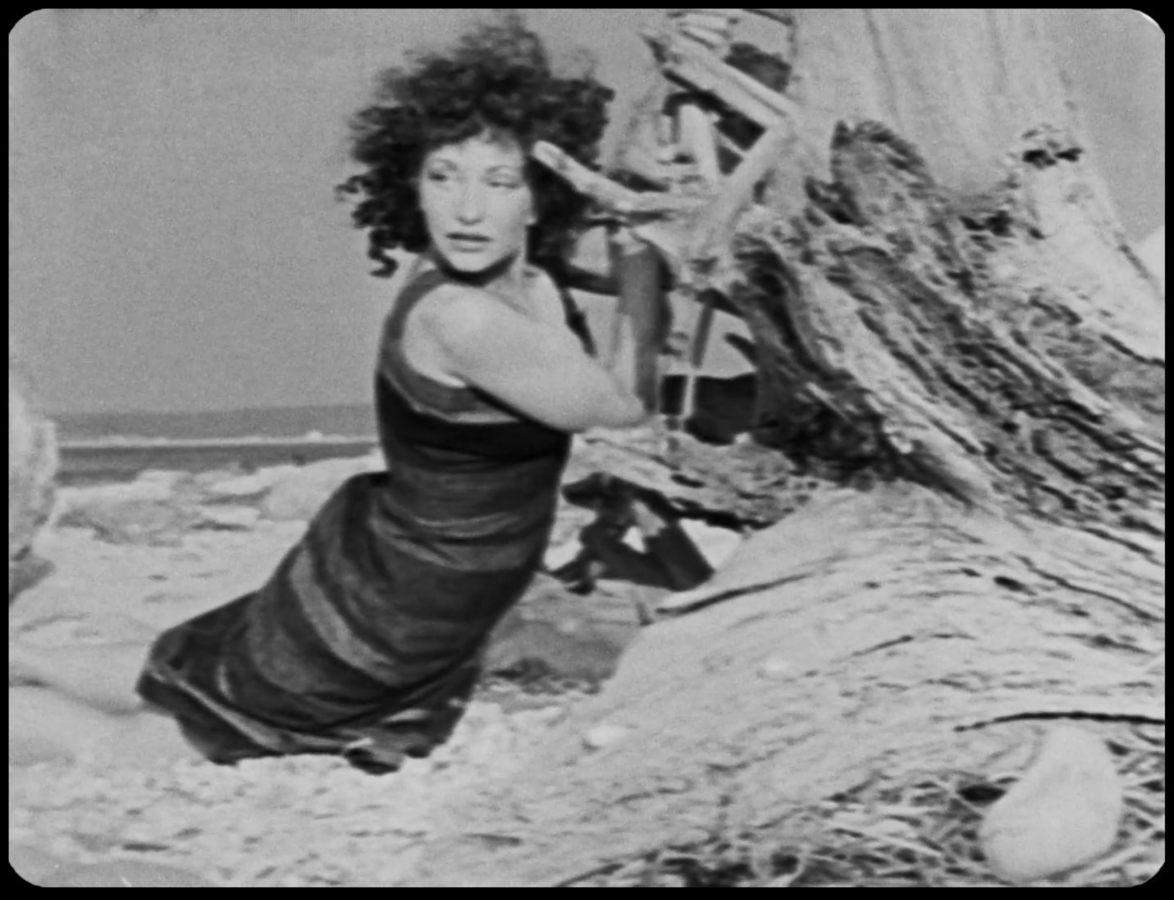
960, 84
963, 370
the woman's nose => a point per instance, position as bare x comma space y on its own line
470, 204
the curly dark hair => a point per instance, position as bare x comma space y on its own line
498, 79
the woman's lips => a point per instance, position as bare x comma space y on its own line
468, 244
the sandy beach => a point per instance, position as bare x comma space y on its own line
132, 559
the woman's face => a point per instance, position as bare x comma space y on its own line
476, 202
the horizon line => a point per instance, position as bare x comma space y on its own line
182, 412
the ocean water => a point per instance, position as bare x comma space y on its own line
285, 423
107, 447
89, 465
100, 448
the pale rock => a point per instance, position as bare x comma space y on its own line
604, 735
300, 494
1064, 811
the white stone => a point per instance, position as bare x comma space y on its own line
604, 735
1064, 811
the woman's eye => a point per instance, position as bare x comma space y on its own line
442, 177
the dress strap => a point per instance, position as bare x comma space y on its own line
576, 319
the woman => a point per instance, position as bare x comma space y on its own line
366, 640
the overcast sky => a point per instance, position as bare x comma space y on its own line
173, 239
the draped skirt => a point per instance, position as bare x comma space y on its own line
363, 642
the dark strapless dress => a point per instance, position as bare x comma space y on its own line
367, 639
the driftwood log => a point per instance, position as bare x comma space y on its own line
32, 464
960, 455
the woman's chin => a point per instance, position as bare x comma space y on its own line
470, 266
476, 265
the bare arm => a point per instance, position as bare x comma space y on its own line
632, 271
536, 368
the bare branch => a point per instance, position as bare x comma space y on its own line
631, 206
599, 188
715, 229
776, 15
702, 70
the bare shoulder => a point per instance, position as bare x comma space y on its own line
509, 351
469, 308
462, 307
